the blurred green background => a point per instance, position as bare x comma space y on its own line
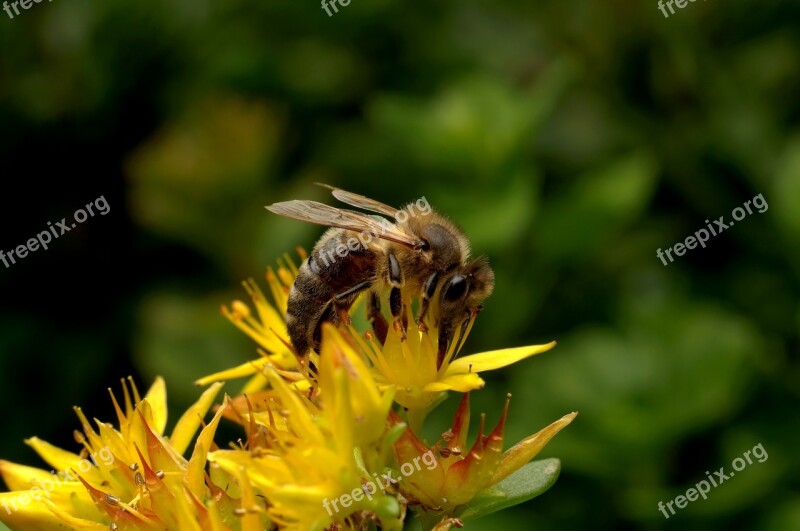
570, 140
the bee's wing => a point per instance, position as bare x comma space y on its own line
359, 201
323, 214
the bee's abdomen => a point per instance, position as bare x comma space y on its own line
330, 270
304, 308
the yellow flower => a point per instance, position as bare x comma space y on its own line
313, 438
462, 472
267, 328
130, 477
311, 456
409, 364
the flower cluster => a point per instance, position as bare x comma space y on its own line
325, 429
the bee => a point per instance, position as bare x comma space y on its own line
419, 253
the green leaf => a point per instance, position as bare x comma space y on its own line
526, 483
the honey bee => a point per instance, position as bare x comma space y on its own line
420, 253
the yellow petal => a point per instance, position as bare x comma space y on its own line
35, 516
187, 425
489, 361
302, 419
245, 369
36, 483
196, 477
116, 443
72, 521
301, 495
21, 477
214, 516
456, 382
157, 398
254, 384
55, 457
515, 457
185, 516
332, 338
251, 521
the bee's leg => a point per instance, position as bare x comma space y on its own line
344, 300
445, 336
376, 318
427, 294
396, 296
396, 307
462, 336
448, 340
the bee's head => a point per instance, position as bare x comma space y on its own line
465, 289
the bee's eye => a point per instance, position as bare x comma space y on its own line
455, 288
424, 244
